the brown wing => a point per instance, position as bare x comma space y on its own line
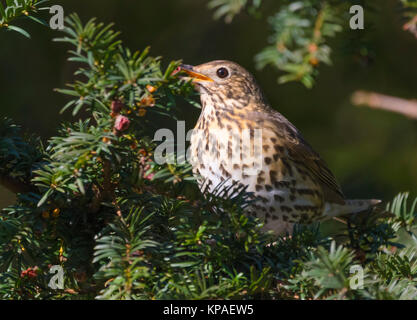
301, 152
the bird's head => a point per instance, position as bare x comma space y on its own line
224, 84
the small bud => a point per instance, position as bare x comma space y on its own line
116, 106
142, 112
106, 140
149, 176
314, 61
32, 274
56, 212
29, 272
122, 123
45, 214
312, 47
148, 100
150, 88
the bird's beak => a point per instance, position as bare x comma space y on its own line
192, 74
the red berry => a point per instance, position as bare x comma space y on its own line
29, 272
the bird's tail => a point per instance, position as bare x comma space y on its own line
350, 207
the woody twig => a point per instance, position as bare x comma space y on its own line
375, 100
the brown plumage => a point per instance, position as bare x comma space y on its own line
292, 183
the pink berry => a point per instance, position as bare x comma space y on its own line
121, 123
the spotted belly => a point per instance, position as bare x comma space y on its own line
285, 194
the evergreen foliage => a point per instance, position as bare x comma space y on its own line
15, 9
302, 30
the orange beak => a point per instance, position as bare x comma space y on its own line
195, 76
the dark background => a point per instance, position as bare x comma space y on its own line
372, 153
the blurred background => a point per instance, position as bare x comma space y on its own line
373, 153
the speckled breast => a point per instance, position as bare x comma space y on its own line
285, 193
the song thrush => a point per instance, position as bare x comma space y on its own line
291, 182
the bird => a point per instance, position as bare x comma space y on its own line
291, 183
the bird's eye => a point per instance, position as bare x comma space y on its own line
222, 73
